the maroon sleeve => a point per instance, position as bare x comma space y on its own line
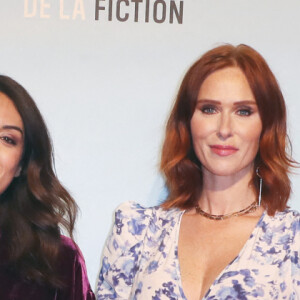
73, 268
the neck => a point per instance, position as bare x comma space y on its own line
226, 194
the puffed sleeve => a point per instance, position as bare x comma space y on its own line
295, 262
122, 252
73, 268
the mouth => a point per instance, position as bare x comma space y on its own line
223, 150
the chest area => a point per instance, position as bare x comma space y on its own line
207, 248
249, 253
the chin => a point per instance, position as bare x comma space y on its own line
224, 173
228, 171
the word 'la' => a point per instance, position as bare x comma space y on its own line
31, 9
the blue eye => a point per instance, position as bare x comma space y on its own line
209, 110
244, 112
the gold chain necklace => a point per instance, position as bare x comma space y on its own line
251, 208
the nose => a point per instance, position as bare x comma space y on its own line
224, 126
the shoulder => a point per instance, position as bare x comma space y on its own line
135, 218
135, 209
286, 217
68, 245
70, 252
135, 225
283, 224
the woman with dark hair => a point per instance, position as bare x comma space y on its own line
36, 261
224, 232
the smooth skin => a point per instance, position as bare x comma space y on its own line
11, 142
226, 128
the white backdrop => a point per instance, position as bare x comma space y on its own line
105, 87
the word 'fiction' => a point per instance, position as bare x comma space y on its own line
160, 11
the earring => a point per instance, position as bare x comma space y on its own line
18, 172
260, 186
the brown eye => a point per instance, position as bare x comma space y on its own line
8, 140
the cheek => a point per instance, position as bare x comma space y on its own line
252, 137
9, 166
201, 128
10, 162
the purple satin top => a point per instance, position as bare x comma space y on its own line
73, 271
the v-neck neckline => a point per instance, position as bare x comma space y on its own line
251, 236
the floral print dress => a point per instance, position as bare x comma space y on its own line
140, 260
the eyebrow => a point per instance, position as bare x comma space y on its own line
13, 127
242, 102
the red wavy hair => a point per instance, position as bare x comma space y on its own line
180, 165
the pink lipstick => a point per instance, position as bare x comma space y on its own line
223, 150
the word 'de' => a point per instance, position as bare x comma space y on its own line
42, 9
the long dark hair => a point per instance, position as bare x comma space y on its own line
179, 162
35, 204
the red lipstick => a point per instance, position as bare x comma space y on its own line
223, 150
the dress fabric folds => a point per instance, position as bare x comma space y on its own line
71, 267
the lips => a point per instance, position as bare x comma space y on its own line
223, 150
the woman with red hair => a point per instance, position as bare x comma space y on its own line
224, 232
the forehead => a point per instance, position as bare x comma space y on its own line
8, 112
225, 84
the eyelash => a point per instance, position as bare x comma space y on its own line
8, 140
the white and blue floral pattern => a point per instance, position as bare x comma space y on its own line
140, 259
